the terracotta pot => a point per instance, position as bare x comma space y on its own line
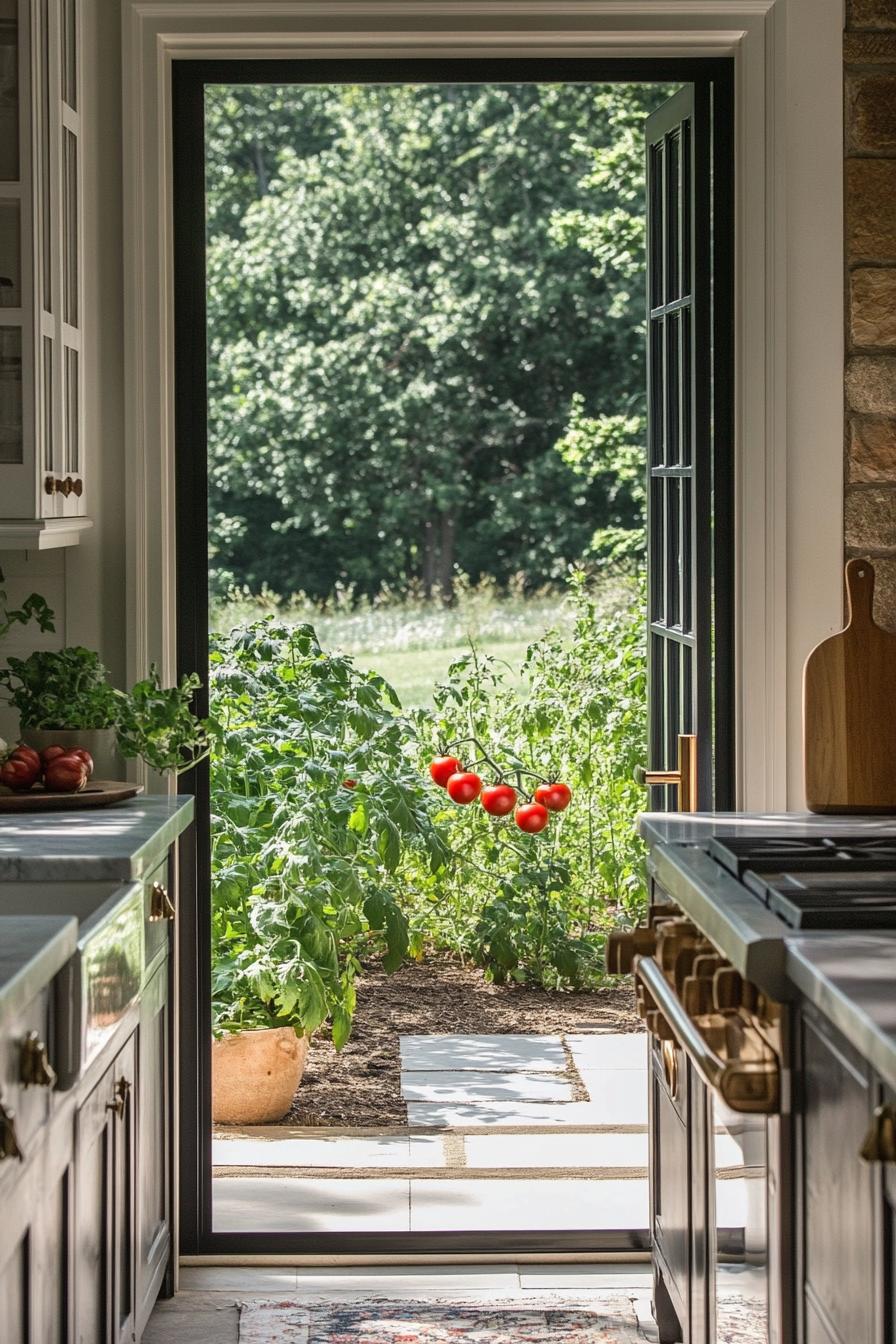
100, 742
255, 1075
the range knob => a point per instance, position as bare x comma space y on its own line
658, 1026
673, 936
624, 945
686, 962
731, 991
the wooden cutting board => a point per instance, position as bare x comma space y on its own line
849, 710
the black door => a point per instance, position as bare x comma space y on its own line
689, 532
702, 386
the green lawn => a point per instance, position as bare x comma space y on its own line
414, 672
412, 643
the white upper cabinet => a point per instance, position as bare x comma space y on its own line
42, 488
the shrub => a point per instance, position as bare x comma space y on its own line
317, 809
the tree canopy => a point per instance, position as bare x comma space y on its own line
425, 325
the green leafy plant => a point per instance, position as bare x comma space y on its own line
34, 608
64, 688
321, 828
70, 689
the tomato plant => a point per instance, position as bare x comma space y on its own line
318, 808
538, 906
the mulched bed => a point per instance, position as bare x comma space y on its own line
360, 1086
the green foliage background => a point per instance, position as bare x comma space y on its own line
425, 311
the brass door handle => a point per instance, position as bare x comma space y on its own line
122, 1092
161, 905
880, 1142
35, 1069
684, 778
9, 1142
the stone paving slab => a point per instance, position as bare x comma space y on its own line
498, 1205
618, 1095
499, 1054
517, 1115
309, 1204
470, 1086
559, 1149
376, 1151
608, 1050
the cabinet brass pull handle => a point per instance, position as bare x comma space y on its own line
122, 1092
9, 1142
161, 905
35, 1069
880, 1141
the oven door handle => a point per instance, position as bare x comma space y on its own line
746, 1085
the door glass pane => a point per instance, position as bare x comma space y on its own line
10, 394
47, 406
70, 227
70, 54
72, 435
47, 202
10, 256
9, 91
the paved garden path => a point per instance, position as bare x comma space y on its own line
504, 1132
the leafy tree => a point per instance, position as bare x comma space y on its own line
400, 315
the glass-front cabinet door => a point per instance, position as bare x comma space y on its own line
41, 374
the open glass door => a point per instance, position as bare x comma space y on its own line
689, 534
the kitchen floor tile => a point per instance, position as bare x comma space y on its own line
498, 1205
236, 1278
585, 1278
499, 1054
608, 1050
309, 1204
471, 1086
408, 1281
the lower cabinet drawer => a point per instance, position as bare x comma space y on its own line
158, 911
25, 1052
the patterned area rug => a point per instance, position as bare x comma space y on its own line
611, 1320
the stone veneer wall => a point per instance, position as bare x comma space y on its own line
869, 87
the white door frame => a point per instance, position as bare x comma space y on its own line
788, 288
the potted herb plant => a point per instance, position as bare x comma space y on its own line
65, 697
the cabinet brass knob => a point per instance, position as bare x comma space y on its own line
64, 485
880, 1141
9, 1142
35, 1069
161, 905
122, 1092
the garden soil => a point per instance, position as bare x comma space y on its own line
360, 1086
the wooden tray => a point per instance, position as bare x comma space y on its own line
98, 793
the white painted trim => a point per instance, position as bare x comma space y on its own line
788, 299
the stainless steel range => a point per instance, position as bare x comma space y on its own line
711, 989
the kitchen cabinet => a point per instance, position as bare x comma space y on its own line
844, 1202
35, 1249
154, 1177
104, 1250
41, 309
